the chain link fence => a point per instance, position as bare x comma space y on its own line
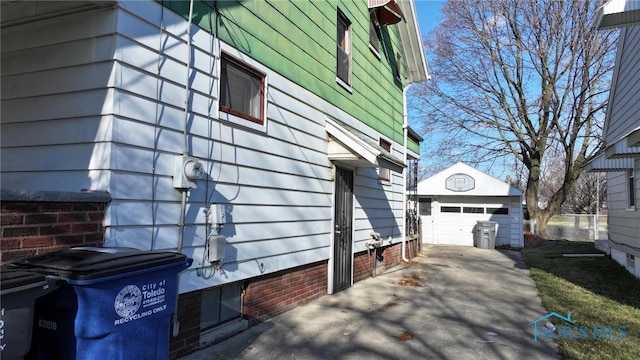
573, 227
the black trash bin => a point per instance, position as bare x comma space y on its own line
18, 293
112, 303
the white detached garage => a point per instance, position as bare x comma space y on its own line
454, 200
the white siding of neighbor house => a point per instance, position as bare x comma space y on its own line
108, 113
624, 223
625, 106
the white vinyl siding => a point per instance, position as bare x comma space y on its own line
118, 126
625, 107
623, 220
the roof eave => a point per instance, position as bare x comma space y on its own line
411, 39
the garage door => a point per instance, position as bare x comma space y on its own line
458, 216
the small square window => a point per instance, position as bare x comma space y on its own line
242, 90
343, 56
631, 189
384, 173
425, 206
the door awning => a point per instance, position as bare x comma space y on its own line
601, 164
388, 11
352, 147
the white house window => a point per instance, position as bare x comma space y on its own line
398, 70
242, 90
631, 263
374, 31
384, 173
343, 66
631, 189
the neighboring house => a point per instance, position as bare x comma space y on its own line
621, 158
266, 140
452, 202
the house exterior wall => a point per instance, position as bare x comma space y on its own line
115, 111
101, 95
624, 222
297, 40
624, 102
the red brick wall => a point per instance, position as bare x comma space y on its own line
363, 265
271, 295
188, 339
31, 227
363, 261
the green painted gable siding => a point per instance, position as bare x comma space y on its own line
413, 145
297, 39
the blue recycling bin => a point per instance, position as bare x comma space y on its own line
113, 303
18, 293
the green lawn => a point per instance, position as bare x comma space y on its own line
597, 292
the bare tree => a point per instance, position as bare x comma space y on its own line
517, 79
589, 195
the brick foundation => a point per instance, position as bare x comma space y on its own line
270, 295
274, 294
188, 339
33, 223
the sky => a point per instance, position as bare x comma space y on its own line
429, 15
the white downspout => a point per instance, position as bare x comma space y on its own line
404, 172
185, 152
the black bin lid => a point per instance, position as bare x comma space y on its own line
12, 279
87, 263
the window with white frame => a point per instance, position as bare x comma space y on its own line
374, 30
384, 173
343, 55
631, 189
242, 90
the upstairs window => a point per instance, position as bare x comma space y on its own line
343, 56
242, 90
374, 31
398, 70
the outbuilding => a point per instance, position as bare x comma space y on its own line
452, 202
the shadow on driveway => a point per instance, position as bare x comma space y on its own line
450, 303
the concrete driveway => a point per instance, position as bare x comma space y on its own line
450, 303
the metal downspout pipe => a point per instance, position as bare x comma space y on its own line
185, 151
404, 172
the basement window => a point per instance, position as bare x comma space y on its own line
631, 263
220, 305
